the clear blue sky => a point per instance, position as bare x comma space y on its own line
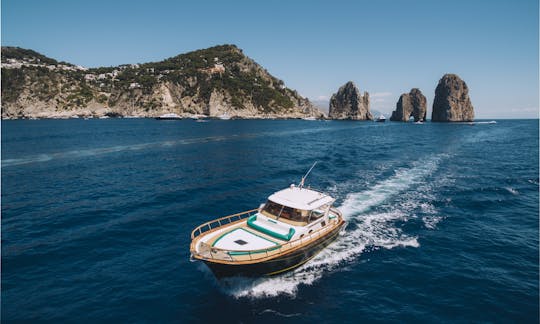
386, 47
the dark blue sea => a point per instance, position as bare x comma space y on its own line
97, 215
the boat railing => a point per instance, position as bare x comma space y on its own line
336, 211
208, 226
211, 252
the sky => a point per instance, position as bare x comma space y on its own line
386, 47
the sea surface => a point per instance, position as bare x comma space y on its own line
97, 215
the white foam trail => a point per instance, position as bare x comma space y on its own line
357, 203
38, 158
279, 313
366, 228
431, 221
105, 150
512, 191
136, 147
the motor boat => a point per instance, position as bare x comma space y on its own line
288, 230
170, 116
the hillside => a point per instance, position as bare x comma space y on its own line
215, 81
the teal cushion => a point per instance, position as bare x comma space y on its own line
251, 223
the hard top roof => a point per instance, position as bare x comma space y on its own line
300, 198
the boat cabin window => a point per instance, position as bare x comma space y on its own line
285, 212
272, 208
292, 214
318, 213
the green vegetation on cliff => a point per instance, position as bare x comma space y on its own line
17, 53
187, 82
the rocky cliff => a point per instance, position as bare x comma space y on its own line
348, 103
410, 104
452, 102
215, 81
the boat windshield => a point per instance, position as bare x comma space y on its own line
272, 208
285, 212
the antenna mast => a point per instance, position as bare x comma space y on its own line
301, 184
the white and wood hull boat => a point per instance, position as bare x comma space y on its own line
274, 253
288, 230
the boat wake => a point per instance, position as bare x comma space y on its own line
374, 217
77, 154
93, 152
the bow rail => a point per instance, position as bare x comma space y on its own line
208, 252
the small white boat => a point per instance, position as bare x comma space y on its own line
224, 117
169, 116
197, 116
482, 122
287, 231
311, 118
381, 119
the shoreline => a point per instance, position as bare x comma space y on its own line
199, 117
180, 118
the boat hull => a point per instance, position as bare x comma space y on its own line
277, 265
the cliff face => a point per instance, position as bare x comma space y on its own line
216, 81
348, 103
410, 104
452, 102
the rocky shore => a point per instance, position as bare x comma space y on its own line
217, 82
213, 82
412, 104
452, 102
349, 103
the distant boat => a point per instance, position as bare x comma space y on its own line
197, 116
224, 117
486, 122
381, 119
201, 121
420, 122
170, 116
482, 122
309, 118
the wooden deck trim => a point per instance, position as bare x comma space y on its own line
218, 220
285, 248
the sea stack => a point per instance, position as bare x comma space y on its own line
410, 104
452, 102
348, 103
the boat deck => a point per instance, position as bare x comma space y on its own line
244, 240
